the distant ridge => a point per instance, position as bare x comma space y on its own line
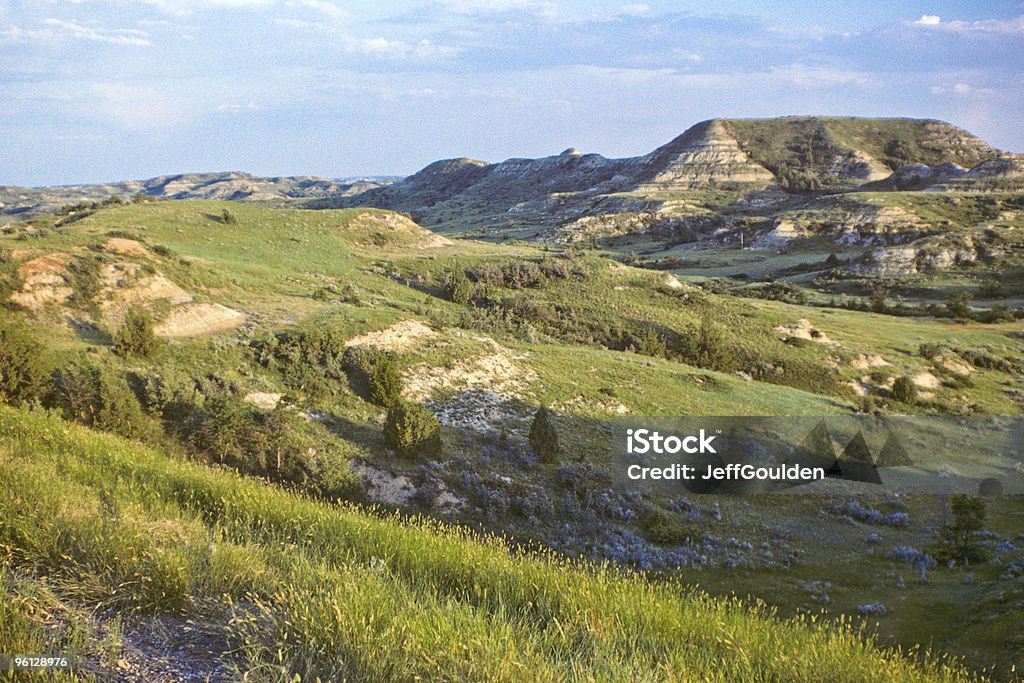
795, 154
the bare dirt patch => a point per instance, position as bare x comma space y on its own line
126, 247
496, 372
803, 329
263, 399
127, 287
402, 335
955, 366
926, 380
864, 362
44, 280
671, 281
194, 319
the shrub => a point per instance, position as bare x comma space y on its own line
1000, 313
709, 347
544, 436
281, 444
662, 528
100, 398
23, 368
650, 343
929, 350
172, 395
385, 382
958, 541
135, 338
458, 289
412, 430
904, 390
358, 362
959, 305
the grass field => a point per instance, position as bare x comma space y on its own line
104, 540
331, 592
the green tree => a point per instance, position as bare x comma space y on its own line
958, 541
135, 338
959, 305
904, 390
100, 397
457, 287
650, 343
544, 436
385, 382
222, 430
284, 443
412, 430
23, 367
709, 347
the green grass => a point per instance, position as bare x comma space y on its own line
332, 592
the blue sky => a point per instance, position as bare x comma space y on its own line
101, 90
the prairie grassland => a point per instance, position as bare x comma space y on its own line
331, 592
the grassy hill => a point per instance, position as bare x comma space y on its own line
271, 323
93, 525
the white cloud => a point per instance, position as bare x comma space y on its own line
385, 48
485, 7
686, 56
54, 30
328, 9
963, 90
235, 108
183, 7
637, 9
985, 26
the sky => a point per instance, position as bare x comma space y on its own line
105, 90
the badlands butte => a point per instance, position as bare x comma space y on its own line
280, 363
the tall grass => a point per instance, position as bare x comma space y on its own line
333, 592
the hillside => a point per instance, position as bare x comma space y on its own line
725, 160
214, 575
273, 325
22, 203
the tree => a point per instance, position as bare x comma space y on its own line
544, 436
904, 390
457, 287
23, 367
709, 348
222, 429
412, 430
100, 398
958, 541
650, 343
385, 382
959, 305
135, 338
283, 440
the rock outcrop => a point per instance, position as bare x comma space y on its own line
705, 155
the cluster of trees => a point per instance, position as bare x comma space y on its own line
462, 285
79, 207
